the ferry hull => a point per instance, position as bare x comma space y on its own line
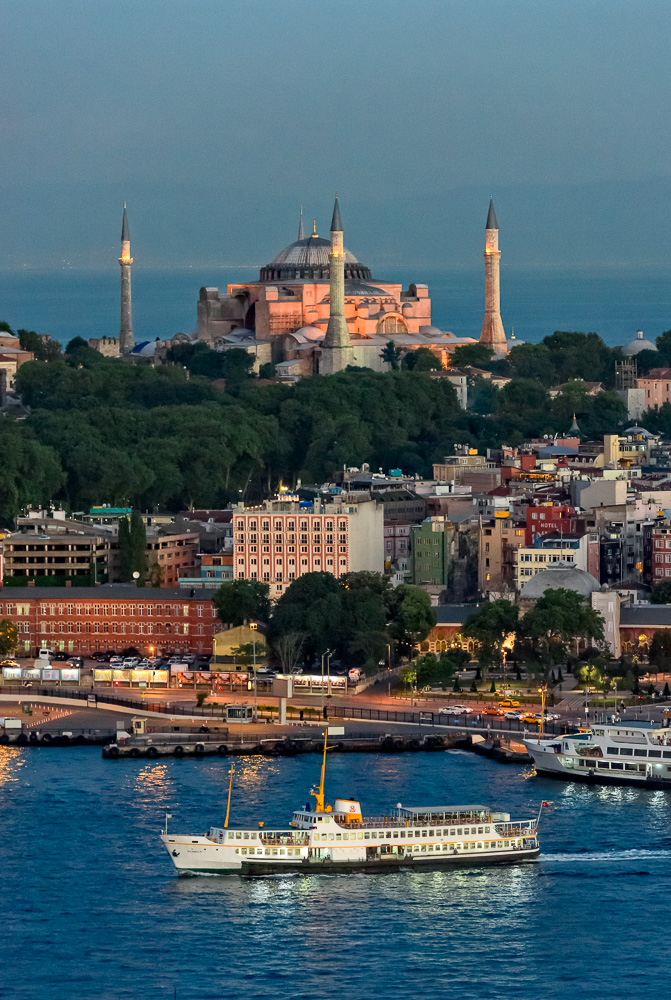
392, 864
601, 778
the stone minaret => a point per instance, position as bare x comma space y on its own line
126, 341
301, 231
336, 348
492, 328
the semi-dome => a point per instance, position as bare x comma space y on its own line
559, 574
638, 344
309, 258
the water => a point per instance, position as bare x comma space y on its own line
92, 907
613, 303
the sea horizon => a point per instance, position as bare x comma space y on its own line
613, 301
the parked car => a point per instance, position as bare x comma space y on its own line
130, 662
509, 703
76, 660
9, 663
44, 653
59, 655
116, 662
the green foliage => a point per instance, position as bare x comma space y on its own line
392, 355
8, 637
483, 396
492, 689
474, 687
421, 360
660, 651
435, 670
76, 344
412, 616
44, 350
557, 618
241, 601
132, 549
661, 594
245, 653
489, 626
200, 698
472, 356
666, 693
31, 471
267, 370
456, 687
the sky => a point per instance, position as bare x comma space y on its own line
216, 119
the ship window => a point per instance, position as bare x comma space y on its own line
359, 836
616, 766
330, 836
602, 764
666, 753
338, 836
654, 753
402, 835
388, 834
424, 847
612, 750
431, 833
480, 829
366, 836
640, 753
418, 833
246, 836
345, 836
282, 851
459, 832
590, 763
631, 767
626, 750
273, 850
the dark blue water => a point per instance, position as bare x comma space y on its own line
612, 303
91, 907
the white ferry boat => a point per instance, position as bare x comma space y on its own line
610, 753
340, 838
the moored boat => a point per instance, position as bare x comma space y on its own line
610, 753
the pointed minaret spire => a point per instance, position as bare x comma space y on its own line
492, 333
125, 235
314, 227
336, 347
301, 232
126, 340
336, 221
492, 222
574, 426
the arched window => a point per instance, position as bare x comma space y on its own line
391, 324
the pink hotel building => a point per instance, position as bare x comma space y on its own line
281, 540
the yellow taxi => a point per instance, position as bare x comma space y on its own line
509, 703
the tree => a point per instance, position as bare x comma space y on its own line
392, 355
267, 370
288, 649
132, 549
76, 344
472, 356
412, 616
661, 593
490, 625
8, 637
421, 360
44, 348
409, 676
557, 618
660, 651
246, 653
241, 601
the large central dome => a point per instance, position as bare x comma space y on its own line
308, 258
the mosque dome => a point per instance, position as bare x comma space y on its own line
559, 574
309, 333
308, 258
638, 344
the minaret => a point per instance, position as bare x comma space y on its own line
126, 341
301, 231
492, 329
336, 349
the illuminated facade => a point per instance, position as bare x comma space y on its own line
126, 341
290, 307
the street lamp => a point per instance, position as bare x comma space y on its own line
253, 626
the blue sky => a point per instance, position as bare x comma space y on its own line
215, 120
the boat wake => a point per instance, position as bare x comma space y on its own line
609, 857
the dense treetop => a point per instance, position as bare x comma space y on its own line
108, 430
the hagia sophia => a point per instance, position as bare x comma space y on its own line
316, 309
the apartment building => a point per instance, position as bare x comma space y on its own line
282, 539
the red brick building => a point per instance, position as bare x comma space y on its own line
661, 553
115, 616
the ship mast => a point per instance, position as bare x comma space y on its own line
228, 804
319, 793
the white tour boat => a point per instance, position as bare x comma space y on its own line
609, 753
340, 838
